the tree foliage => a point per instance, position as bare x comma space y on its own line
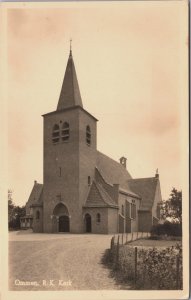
171, 209
14, 212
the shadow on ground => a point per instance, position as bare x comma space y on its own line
107, 262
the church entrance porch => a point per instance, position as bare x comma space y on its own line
64, 224
88, 223
60, 218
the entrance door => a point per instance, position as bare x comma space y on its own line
88, 223
64, 225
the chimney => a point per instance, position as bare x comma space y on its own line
123, 161
35, 182
157, 174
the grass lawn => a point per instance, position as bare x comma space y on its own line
154, 243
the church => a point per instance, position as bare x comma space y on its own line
84, 190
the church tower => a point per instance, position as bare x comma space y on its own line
69, 158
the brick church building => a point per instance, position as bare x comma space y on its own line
84, 190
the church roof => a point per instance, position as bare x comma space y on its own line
35, 196
112, 171
70, 92
146, 189
98, 197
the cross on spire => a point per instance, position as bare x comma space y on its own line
70, 46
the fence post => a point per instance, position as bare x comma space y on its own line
137, 235
142, 234
117, 254
122, 238
135, 266
112, 243
132, 236
126, 237
177, 272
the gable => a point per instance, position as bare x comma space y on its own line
35, 195
146, 189
98, 197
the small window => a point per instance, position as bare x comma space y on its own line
98, 218
88, 135
133, 211
122, 210
56, 134
65, 132
89, 180
38, 215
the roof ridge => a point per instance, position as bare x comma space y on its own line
141, 178
111, 159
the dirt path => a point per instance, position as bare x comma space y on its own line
75, 260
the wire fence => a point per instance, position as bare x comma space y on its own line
125, 238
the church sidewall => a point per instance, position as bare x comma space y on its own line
145, 221
87, 156
112, 220
129, 224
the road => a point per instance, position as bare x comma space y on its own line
59, 262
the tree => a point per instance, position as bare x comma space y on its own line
10, 205
14, 212
171, 209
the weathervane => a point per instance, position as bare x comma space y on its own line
70, 45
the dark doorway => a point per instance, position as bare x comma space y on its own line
64, 225
88, 222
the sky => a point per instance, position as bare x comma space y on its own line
131, 64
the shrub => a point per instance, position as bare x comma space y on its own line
168, 228
156, 268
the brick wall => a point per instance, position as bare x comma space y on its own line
37, 224
76, 160
145, 221
112, 220
102, 226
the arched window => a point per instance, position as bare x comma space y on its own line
38, 215
88, 135
89, 180
65, 132
122, 210
56, 133
98, 218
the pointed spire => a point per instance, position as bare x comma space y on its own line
70, 92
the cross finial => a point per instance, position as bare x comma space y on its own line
70, 45
157, 173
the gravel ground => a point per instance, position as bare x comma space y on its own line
75, 260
